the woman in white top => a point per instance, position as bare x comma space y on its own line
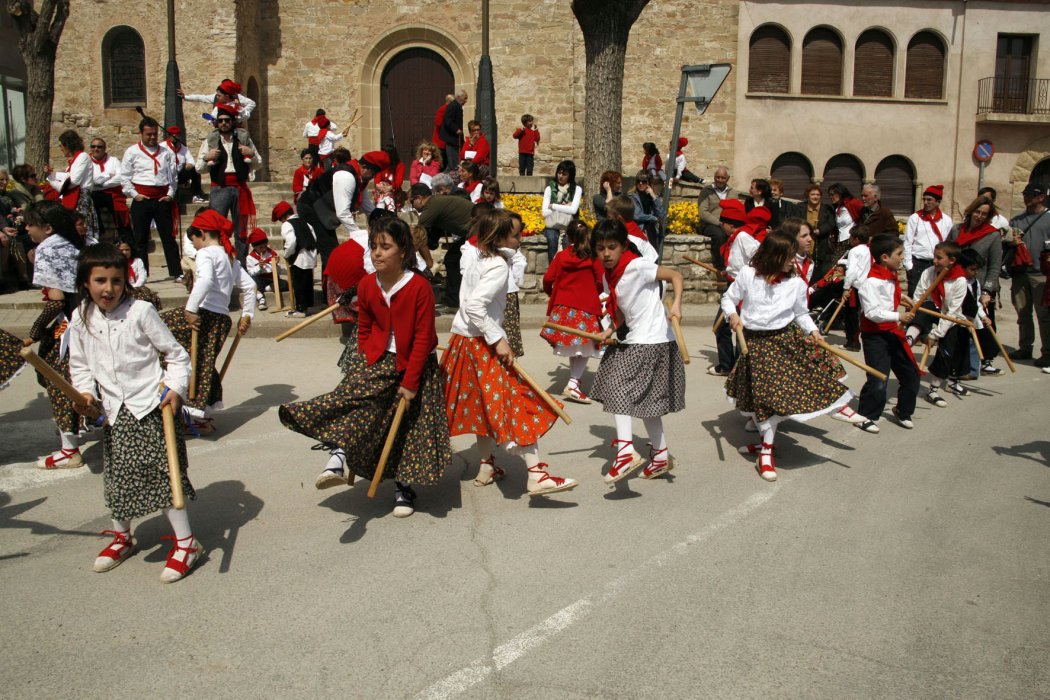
207, 311
115, 345
75, 183
485, 395
643, 375
782, 375
561, 202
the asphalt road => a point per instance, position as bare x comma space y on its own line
905, 564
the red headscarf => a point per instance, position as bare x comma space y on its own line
211, 220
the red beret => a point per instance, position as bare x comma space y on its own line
682, 142
280, 209
935, 191
257, 236
230, 88
732, 211
174, 130
227, 109
377, 159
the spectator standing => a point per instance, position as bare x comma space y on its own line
527, 135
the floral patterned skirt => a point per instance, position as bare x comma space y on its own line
783, 376
485, 398
351, 359
146, 294
357, 415
66, 417
512, 324
11, 362
135, 465
214, 329
566, 344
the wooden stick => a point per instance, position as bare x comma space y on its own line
551, 403
926, 295
946, 317
719, 320
679, 338
582, 334
831, 323
58, 381
313, 319
277, 287
925, 356
178, 498
850, 359
402, 404
707, 266
229, 356
741, 342
291, 291
995, 336
977, 343
193, 364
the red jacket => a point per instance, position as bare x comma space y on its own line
482, 148
573, 282
299, 176
410, 316
439, 116
527, 139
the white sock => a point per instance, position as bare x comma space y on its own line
337, 461
623, 428
577, 366
70, 441
655, 428
911, 334
180, 522
935, 383
531, 455
768, 435
122, 526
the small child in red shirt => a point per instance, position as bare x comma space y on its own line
527, 135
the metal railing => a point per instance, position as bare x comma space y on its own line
1013, 95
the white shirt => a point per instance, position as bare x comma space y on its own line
103, 179
216, 277
138, 167
858, 265
181, 155
919, 238
475, 194
311, 130
470, 255
844, 221
304, 259
245, 106
570, 209
679, 165
638, 296
80, 174
254, 267
483, 299
1000, 222
139, 269
644, 247
876, 300
954, 295
740, 253
768, 307
119, 350
343, 188
406, 277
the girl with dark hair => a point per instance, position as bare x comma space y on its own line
642, 376
648, 209
610, 186
470, 180
396, 342
847, 213
561, 203
485, 397
783, 375
115, 345
652, 162
74, 185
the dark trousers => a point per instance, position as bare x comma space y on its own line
918, 266
143, 212
525, 163
453, 277
193, 177
884, 351
718, 238
303, 284
326, 237
265, 281
832, 294
724, 343
953, 354
103, 202
451, 157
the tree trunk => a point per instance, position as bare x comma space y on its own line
606, 27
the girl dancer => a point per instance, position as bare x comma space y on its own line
396, 337
137, 275
114, 345
643, 376
573, 283
484, 396
782, 376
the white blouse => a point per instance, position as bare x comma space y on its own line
119, 350
483, 299
216, 277
768, 307
638, 296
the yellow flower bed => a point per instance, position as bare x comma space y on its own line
682, 217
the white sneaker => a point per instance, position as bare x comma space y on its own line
404, 502
260, 301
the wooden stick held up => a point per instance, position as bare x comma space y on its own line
741, 342
551, 403
850, 359
192, 393
171, 445
229, 356
388, 446
313, 319
707, 266
926, 295
58, 381
1006, 356
831, 323
276, 287
582, 334
976, 342
946, 317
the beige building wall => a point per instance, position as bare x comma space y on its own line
937, 136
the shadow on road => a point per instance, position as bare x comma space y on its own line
267, 396
1038, 451
9, 519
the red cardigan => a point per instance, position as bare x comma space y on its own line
300, 174
410, 315
527, 139
573, 282
482, 148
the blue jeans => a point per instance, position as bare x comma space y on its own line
226, 201
552, 235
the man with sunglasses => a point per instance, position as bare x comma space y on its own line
107, 192
147, 173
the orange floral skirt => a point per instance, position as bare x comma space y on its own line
485, 398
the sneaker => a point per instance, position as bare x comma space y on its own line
1042, 362
626, 462
990, 370
404, 501
261, 303
63, 459
901, 420
295, 314
1021, 355
1045, 370
750, 426
934, 397
198, 200
573, 393
718, 371
958, 389
848, 415
180, 559
546, 483
868, 426
181, 279
122, 547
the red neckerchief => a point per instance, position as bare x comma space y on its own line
323, 123
174, 150
968, 236
803, 267
881, 272
473, 240
932, 219
131, 272
156, 163
268, 258
937, 295
633, 229
612, 278
728, 245
100, 163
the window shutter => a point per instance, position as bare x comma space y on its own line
873, 65
124, 64
822, 63
845, 170
769, 60
895, 178
924, 72
795, 171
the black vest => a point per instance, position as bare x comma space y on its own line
218, 168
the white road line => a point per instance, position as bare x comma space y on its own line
507, 653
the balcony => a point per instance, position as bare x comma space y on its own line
1013, 101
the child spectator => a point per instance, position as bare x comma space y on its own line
300, 252
527, 136
304, 174
259, 266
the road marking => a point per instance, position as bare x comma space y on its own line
510, 651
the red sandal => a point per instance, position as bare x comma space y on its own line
626, 462
547, 483
177, 568
658, 464
766, 470
122, 547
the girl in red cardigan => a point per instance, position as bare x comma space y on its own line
573, 282
397, 339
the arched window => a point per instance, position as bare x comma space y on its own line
822, 63
846, 170
873, 65
123, 67
924, 72
895, 176
769, 60
1041, 174
795, 171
